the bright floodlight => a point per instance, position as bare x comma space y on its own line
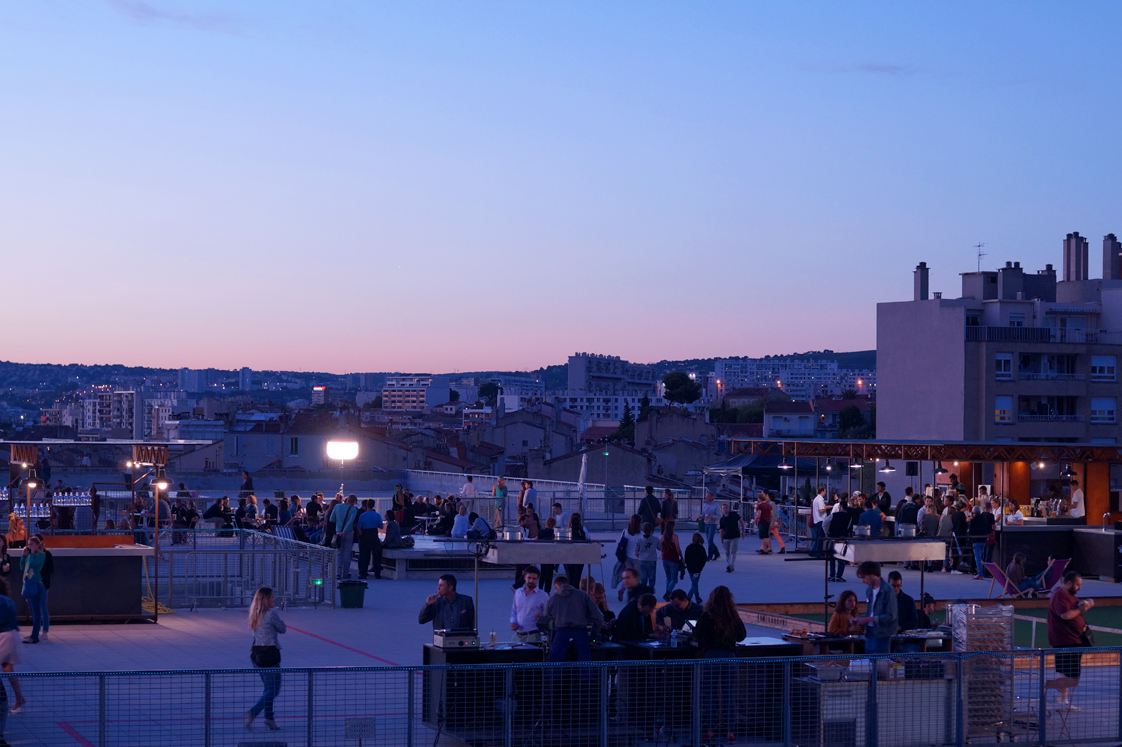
162, 484
342, 450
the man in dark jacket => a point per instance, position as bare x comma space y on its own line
573, 612
907, 616
634, 622
446, 609
649, 508
980, 527
881, 613
882, 498
840, 528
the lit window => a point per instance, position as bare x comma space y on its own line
1003, 409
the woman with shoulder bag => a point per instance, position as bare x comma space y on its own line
266, 625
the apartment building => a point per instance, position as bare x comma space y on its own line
801, 379
414, 392
600, 386
1018, 357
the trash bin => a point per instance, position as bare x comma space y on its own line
351, 594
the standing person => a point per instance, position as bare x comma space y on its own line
573, 613
547, 569
908, 512
369, 543
31, 567
711, 515
647, 555
881, 614
9, 655
731, 528
446, 609
818, 513
694, 559
882, 498
907, 617
95, 506
627, 550
529, 605
246, 489
574, 571
468, 491
1078, 509
45, 574
343, 517
671, 553
718, 631
312, 511
981, 525
266, 624
839, 529
1068, 630
764, 513
529, 494
17, 532
668, 509
499, 493
649, 507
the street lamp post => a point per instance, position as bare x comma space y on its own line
161, 483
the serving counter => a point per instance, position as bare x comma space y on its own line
89, 583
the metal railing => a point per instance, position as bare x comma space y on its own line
1048, 376
224, 567
1034, 418
976, 333
899, 700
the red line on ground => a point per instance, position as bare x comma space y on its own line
340, 645
75, 735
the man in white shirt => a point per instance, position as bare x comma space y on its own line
468, 490
1078, 510
817, 516
529, 605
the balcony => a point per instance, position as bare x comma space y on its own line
1042, 334
1049, 376
1027, 418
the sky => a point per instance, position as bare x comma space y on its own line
459, 186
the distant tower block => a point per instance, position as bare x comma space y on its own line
1075, 257
921, 282
1112, 250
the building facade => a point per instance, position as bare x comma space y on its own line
414, 392
1018, 357
800, 378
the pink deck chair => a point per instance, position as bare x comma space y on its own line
1007, 587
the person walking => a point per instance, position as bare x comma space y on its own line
649, 508
266, 624
1068, 630
671, 553
627, 550
647, 554
711, 518
31, 568
764, 514
369, 543
695, 558
731, 528
718, 631
246, 489
343, 517
668, 509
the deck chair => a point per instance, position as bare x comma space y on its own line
1007, 587
1055, 574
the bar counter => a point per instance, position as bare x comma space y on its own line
89, 583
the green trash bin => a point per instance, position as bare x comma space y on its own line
352, 594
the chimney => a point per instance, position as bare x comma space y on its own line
1112, 248
920, 276
1075, 257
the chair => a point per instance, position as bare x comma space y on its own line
1055, 574
1007, 587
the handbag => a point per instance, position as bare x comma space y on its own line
621, 549
265, 656
30, 589
1087, 637
991, 539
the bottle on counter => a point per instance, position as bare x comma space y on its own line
674, 638
492, 637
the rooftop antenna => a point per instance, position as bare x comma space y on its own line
981, 254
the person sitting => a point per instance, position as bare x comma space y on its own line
679, 610
1017, 578
392, 540
480, 529
461, 524
927, 609
634, 621
841, 622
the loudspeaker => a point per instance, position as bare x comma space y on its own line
911, 469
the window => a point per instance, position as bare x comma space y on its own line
525, 442
1102, 409
294, 446
1003, 409
1016, 320
1102, 367
972, 320
1003, 367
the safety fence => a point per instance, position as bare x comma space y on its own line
897, 701
225, 567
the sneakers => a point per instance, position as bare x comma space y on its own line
978, 578
249, 719
728, 569
18, 707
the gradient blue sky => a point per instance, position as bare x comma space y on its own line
456, 186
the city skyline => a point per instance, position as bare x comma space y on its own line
380, 188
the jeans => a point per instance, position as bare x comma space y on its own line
710, 532
731, 547
1029, 583
545, 581
573, 572
272, 680
877, 645
561, 639
719, 679
837, 567
979, 556
38, 605
45, 612
648, 571
343, 556
817, 533
694, 593
671, 569
369, 553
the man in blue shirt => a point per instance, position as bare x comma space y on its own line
872, 518
369, 543
343, 517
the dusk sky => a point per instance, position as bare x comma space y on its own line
463, 186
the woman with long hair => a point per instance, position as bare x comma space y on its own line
17, 532
266, 625
842, 620
575, 571
671, 557
31, 568
499, 493
719, 629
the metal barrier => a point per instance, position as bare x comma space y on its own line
897, 701
224, 567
